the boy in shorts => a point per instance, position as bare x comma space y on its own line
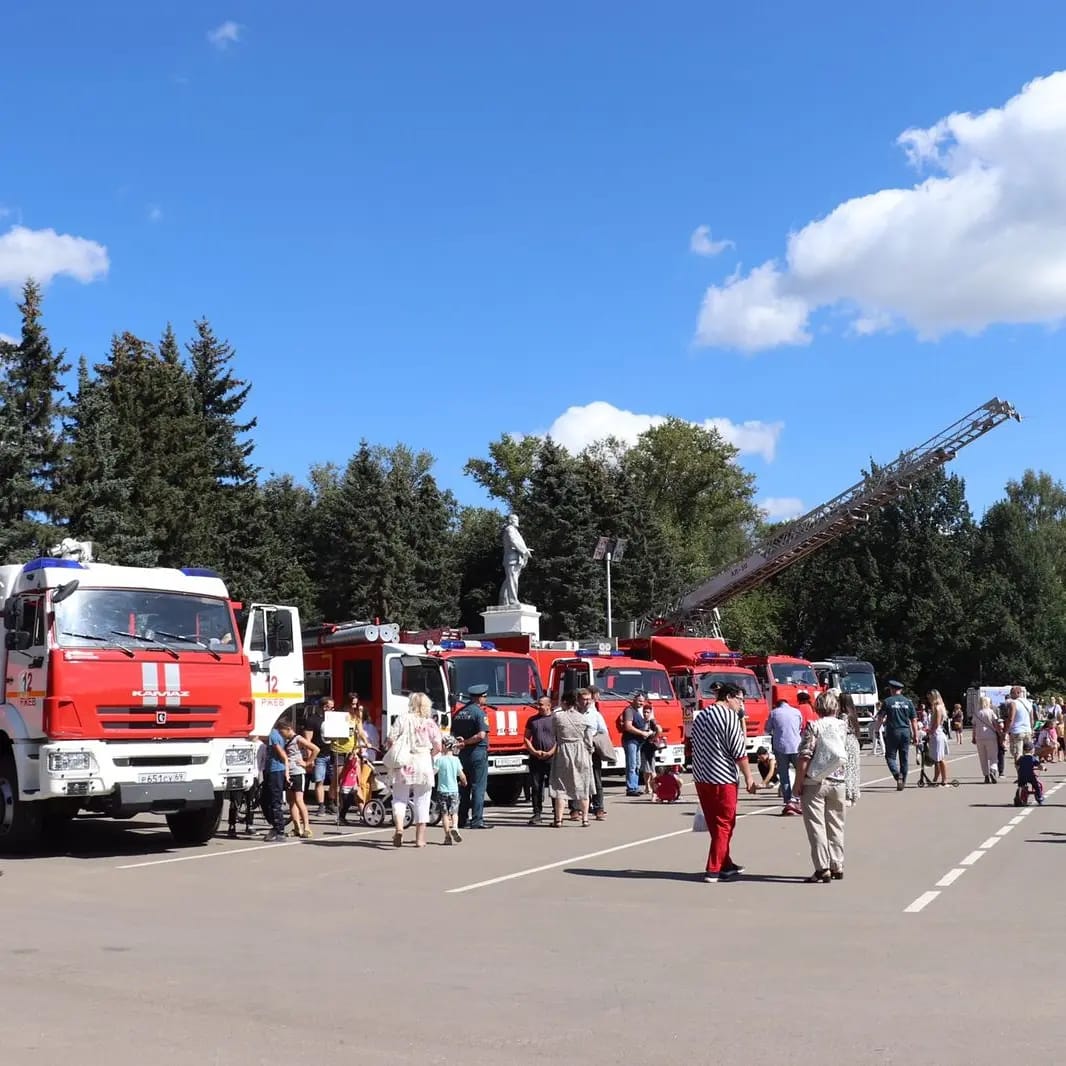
449, 777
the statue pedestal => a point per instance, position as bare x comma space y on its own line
524, 618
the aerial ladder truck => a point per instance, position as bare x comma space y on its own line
693, 619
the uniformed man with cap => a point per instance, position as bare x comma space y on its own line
900, 721
470, 727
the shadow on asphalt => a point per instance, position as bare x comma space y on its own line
87, 838
674, 875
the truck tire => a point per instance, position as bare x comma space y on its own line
193, 828
505, 790
20, 822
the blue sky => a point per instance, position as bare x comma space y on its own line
436, 223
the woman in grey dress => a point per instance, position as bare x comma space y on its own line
571, 776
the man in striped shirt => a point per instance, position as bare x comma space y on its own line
718, 752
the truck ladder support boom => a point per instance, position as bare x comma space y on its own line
799, 538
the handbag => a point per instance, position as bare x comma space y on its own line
830, 750
602, 746
699, 822
399, 754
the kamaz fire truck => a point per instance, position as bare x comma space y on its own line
696, 666
784, 677
569, 665
384, 666
125, 690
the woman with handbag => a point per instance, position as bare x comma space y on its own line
821, 771
414, 741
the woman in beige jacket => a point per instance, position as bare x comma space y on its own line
987, 729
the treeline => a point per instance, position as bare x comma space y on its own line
152, 457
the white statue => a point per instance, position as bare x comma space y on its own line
515, 556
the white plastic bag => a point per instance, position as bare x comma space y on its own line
699, 823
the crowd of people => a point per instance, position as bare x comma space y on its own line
812, 762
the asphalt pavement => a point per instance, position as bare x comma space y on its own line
601, 945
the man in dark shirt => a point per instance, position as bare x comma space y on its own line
901, 730
470, 726
540, 747
312, 731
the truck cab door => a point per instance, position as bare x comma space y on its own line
274, 647
25, 674
685, 687
569, 677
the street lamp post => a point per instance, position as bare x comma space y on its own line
609, 549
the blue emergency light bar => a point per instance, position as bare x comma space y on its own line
713, 656
52, 564
460, 645
200, 571
595, 653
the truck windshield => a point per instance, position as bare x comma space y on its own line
794, 674
858, 680
745, 682
510, 678
89, 617
620, 682
426, 677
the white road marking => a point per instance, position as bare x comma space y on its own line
921, 902
244, 851
954, 874
950, 877
623, 847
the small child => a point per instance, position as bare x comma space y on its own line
767, 766
449, 777
1027, 779
667, 785
1047, 742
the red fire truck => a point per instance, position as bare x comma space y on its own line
696, 665
124, 690
569, 666
784, 677
384, 666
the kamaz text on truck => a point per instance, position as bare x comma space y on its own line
697, 665
124, 690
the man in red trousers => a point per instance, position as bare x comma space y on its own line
718, 753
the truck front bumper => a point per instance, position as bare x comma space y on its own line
144, 777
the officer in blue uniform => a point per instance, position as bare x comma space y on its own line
470, 726
901, 730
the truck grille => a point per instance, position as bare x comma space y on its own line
142, 719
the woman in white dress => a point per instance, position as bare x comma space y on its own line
937, 738
415, 739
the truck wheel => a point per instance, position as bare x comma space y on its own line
505, 791
192, 828
20, 822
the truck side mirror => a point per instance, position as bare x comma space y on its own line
10, 612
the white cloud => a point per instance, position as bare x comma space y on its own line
155, 213
779, 508
6, 338
225, 35
43, 254
578, 427
981, 240
701, 242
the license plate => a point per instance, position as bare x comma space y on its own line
509, 760
160, 779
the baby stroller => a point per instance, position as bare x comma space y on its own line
924, 760
377, 811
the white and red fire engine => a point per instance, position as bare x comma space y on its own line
125, 690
